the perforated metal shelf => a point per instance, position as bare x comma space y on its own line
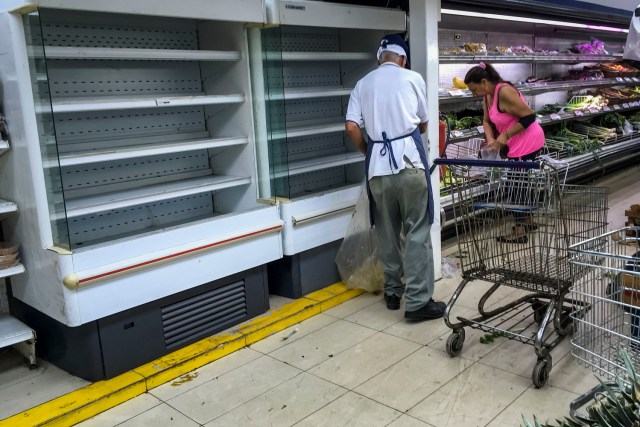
77, 105
151, 193
95, 156
297, 131
322, 56
324, 162
61, 52
315, 92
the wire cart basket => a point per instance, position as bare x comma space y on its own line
608, 319
514, 223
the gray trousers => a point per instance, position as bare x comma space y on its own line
401, 204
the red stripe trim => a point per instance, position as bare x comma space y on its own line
164, 258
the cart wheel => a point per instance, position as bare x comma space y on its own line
539, 310
566, 322
540, 375
454, 343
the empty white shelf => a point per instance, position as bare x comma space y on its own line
13, 331
151, 193
11, 271
296, 131
316, 92
7, 207
60, 52
323, 56
105, 155
325, 162
4, 146
76, 105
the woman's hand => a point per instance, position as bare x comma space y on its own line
502, 139
492, 143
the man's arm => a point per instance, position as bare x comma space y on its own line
422, 127
355, 134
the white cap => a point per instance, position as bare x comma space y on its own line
397, 49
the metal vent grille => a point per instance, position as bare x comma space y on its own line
202, 315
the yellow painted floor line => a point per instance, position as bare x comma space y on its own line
84, 403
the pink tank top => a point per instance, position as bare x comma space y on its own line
527, 141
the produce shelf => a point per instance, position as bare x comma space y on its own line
537, 88
324, 162
322, 56
547, 119
308, 93
564, 59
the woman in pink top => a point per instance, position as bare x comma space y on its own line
517, 128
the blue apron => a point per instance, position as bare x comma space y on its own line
387, 150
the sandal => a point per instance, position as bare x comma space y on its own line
512, 238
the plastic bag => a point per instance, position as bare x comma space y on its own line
632, 47
628, 128
357, 257
449, 267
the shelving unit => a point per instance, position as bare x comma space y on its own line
304, 155
145, 164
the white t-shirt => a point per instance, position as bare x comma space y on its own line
390, 99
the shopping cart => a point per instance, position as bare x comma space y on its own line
495, 200
608, 319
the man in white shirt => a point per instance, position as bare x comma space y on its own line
391, 103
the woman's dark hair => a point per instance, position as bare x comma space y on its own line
482, 71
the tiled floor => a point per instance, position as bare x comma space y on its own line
357, 364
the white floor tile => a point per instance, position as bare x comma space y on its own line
569, 375
322, 344
301, 329
520, 359
161, 415
353, 305
407, 421
474, 290
351, 410
418, 332
284, 405
204, 374
230, 390
472, 399
49, 382
412, 379
364, 360
377, 316
547, 404
123, 412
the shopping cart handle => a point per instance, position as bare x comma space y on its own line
488, 163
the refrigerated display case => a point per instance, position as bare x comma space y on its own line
537, 53
305, 66
134, 167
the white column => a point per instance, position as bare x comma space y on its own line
424, 16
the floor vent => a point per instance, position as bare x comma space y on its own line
202, 315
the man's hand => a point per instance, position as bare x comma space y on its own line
355, 134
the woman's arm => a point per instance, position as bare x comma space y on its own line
486, 123
511, 103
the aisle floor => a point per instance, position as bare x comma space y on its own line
359, 364
355, 364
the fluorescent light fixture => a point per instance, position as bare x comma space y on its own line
532, 20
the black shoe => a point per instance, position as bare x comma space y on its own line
393, 302
513, 239
431, 310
